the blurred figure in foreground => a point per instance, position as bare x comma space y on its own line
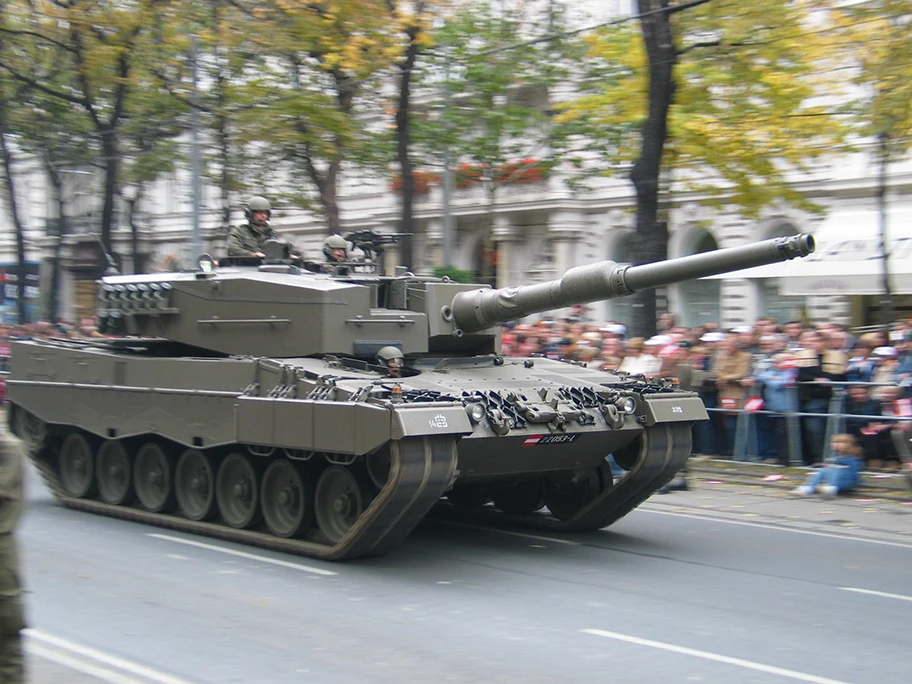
12, 619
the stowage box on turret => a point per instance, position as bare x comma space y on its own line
244, 401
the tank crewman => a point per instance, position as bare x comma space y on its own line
335, 249
12, 620
246, 240
391, 357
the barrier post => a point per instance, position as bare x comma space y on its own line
795, 457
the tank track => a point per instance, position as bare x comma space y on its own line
662, 451
421, 470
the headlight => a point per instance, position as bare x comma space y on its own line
476, 412
627, 404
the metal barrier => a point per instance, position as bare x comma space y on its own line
746, 427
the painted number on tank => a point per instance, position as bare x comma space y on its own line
537, 440
438, 421
677, 409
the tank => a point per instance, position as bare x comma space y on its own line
244, 401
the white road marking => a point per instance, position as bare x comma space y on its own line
706, 655
101, 673
884, 594
73, 655
766, 526
243, 554
524, 535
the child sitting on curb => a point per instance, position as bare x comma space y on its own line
841, 472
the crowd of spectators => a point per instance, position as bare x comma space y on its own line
771, 371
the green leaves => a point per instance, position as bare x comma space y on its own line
755, 99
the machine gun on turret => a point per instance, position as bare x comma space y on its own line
372, 244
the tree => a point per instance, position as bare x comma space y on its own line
315, 80
732, 87
486, 93
9, 187
95, 43
413, 21
876, 39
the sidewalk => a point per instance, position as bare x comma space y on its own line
887, 486
743, 493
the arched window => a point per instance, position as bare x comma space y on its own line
698, 300
619, 309
773, 304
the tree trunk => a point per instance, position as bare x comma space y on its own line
111, 167
138, 261
225, 180
329, 197
14, 213
403, 143
62, 232
650, 242
886, 297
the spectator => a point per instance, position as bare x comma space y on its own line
612, 354
793, 331
886, 370
866, 429
892, 404
732, 368
841, 471
638, 361
780, 399
861, 362
817, 368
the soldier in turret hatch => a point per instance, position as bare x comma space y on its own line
391, 357
247, 239
335, 249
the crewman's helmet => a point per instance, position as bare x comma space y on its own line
334, 241
388, 353
257, 204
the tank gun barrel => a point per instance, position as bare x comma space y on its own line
479, 309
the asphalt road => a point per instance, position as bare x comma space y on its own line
718, 584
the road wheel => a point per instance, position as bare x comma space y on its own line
194, 485
339, 502
237, 490
287, 496
77, 466
29, 428
153, 478
114, 473
566, 495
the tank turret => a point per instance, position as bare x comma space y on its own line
481, 308
282, 310
325, 409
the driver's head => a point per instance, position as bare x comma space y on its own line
335, 248
392, 358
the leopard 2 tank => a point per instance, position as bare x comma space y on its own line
244, 401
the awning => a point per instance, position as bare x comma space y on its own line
850, 267
848, 257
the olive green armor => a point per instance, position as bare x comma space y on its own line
11, 611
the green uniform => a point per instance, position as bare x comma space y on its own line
12, 619
244, 240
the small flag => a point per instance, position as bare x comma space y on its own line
754, 404
532, 440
